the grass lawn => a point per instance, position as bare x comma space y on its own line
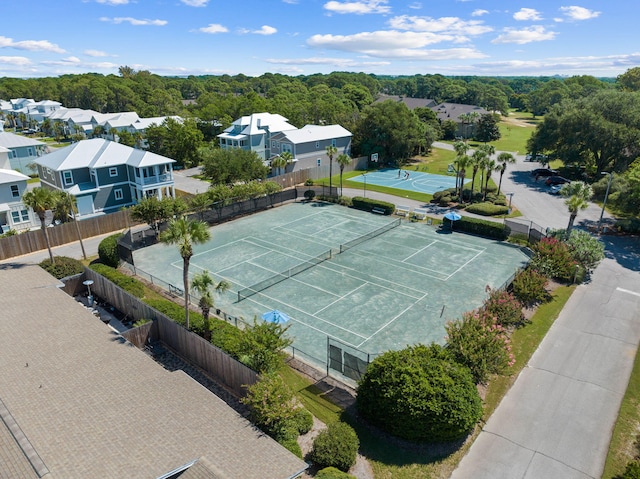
624, 441
392, 460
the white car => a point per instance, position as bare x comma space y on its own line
555, 189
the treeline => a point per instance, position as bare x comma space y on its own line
337, 97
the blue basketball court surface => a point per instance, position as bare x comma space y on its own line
417, 181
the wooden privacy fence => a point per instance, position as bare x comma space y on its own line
189, 346
30, 241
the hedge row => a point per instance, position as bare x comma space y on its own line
129, 284
368, 204
63, 266
487, 209
485, 228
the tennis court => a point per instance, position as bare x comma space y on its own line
395, 288
417, 181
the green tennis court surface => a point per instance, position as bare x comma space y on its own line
394, 289
407, 180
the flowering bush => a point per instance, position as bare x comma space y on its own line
529, 287
478, 342
553, 259
503, 306
585, 249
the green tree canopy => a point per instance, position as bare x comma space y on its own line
179, 141
227, 166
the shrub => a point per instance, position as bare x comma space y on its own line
487, 209
272, 407
444, 200
585, 249
552, 259
504, 307
478, 342
291, 444
176, 313
6, 234
309, 195
631, 472
129, 284
337, 446
368, 204
419, 393
261, 344
485, 228
303, 420
529, 287
333, 473
63, 267
308, 182
628, 226
108, 250
141, 322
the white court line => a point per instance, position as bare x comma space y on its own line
627, 291
429, 273
465, 264
340, 298
392, 320
419, 251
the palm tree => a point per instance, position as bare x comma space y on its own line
288, 158
202, 283
461, 148
65, 203
577, 194
185, 233
40, 200
490, 167
331, 150
98, 131
476, 161
342, 160
462, 163
282, 161
504, 158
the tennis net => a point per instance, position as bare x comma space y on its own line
361, 239
279, 277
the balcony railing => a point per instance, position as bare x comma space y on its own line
150, 180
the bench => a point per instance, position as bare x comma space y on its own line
403, 210
378, 211
420, 213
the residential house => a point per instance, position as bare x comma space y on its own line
254, 133
308, 145
79, 402
104, 175
23, 151
465, 116
411, 103
14, 215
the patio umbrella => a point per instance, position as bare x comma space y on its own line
276, 317
452, 216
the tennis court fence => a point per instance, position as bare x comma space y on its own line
361, 239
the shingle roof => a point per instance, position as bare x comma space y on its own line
99, 153
92, 405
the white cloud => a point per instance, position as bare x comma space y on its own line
535, 33
290, 2
76, 64
529, 14
341, 62
393, 44
19, 61
31, 45
265, 30
195, 3
134, 21
479, 12
214, 28
95, 53
113, 2
449, 25
359, 8
415, 6
579, 13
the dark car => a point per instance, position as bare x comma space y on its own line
544, 172
556, 180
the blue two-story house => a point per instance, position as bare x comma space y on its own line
104, 175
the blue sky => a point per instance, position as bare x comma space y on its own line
301, 37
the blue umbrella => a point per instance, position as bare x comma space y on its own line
452, 216
275, 316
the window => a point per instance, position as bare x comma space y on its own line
333, 142
319, 161
317, 145
15, 191
30, 151
113, 172
20, 216
118, 194
273, 143
13, 154
68, 178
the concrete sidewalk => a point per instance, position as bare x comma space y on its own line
557, 419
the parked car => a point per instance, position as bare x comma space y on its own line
544, 172
539, 157
555, 189
557, 180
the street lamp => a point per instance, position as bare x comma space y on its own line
605, 197
364, 175
510, 195
88, 284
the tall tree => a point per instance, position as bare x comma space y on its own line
490, 166
203, 283
331, 150
461, 148
577, 194
65, 204
40, 200
342, 160
185, 234
504, 158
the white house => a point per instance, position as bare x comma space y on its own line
23, 151
14, 215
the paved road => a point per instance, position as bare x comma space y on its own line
556, 420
